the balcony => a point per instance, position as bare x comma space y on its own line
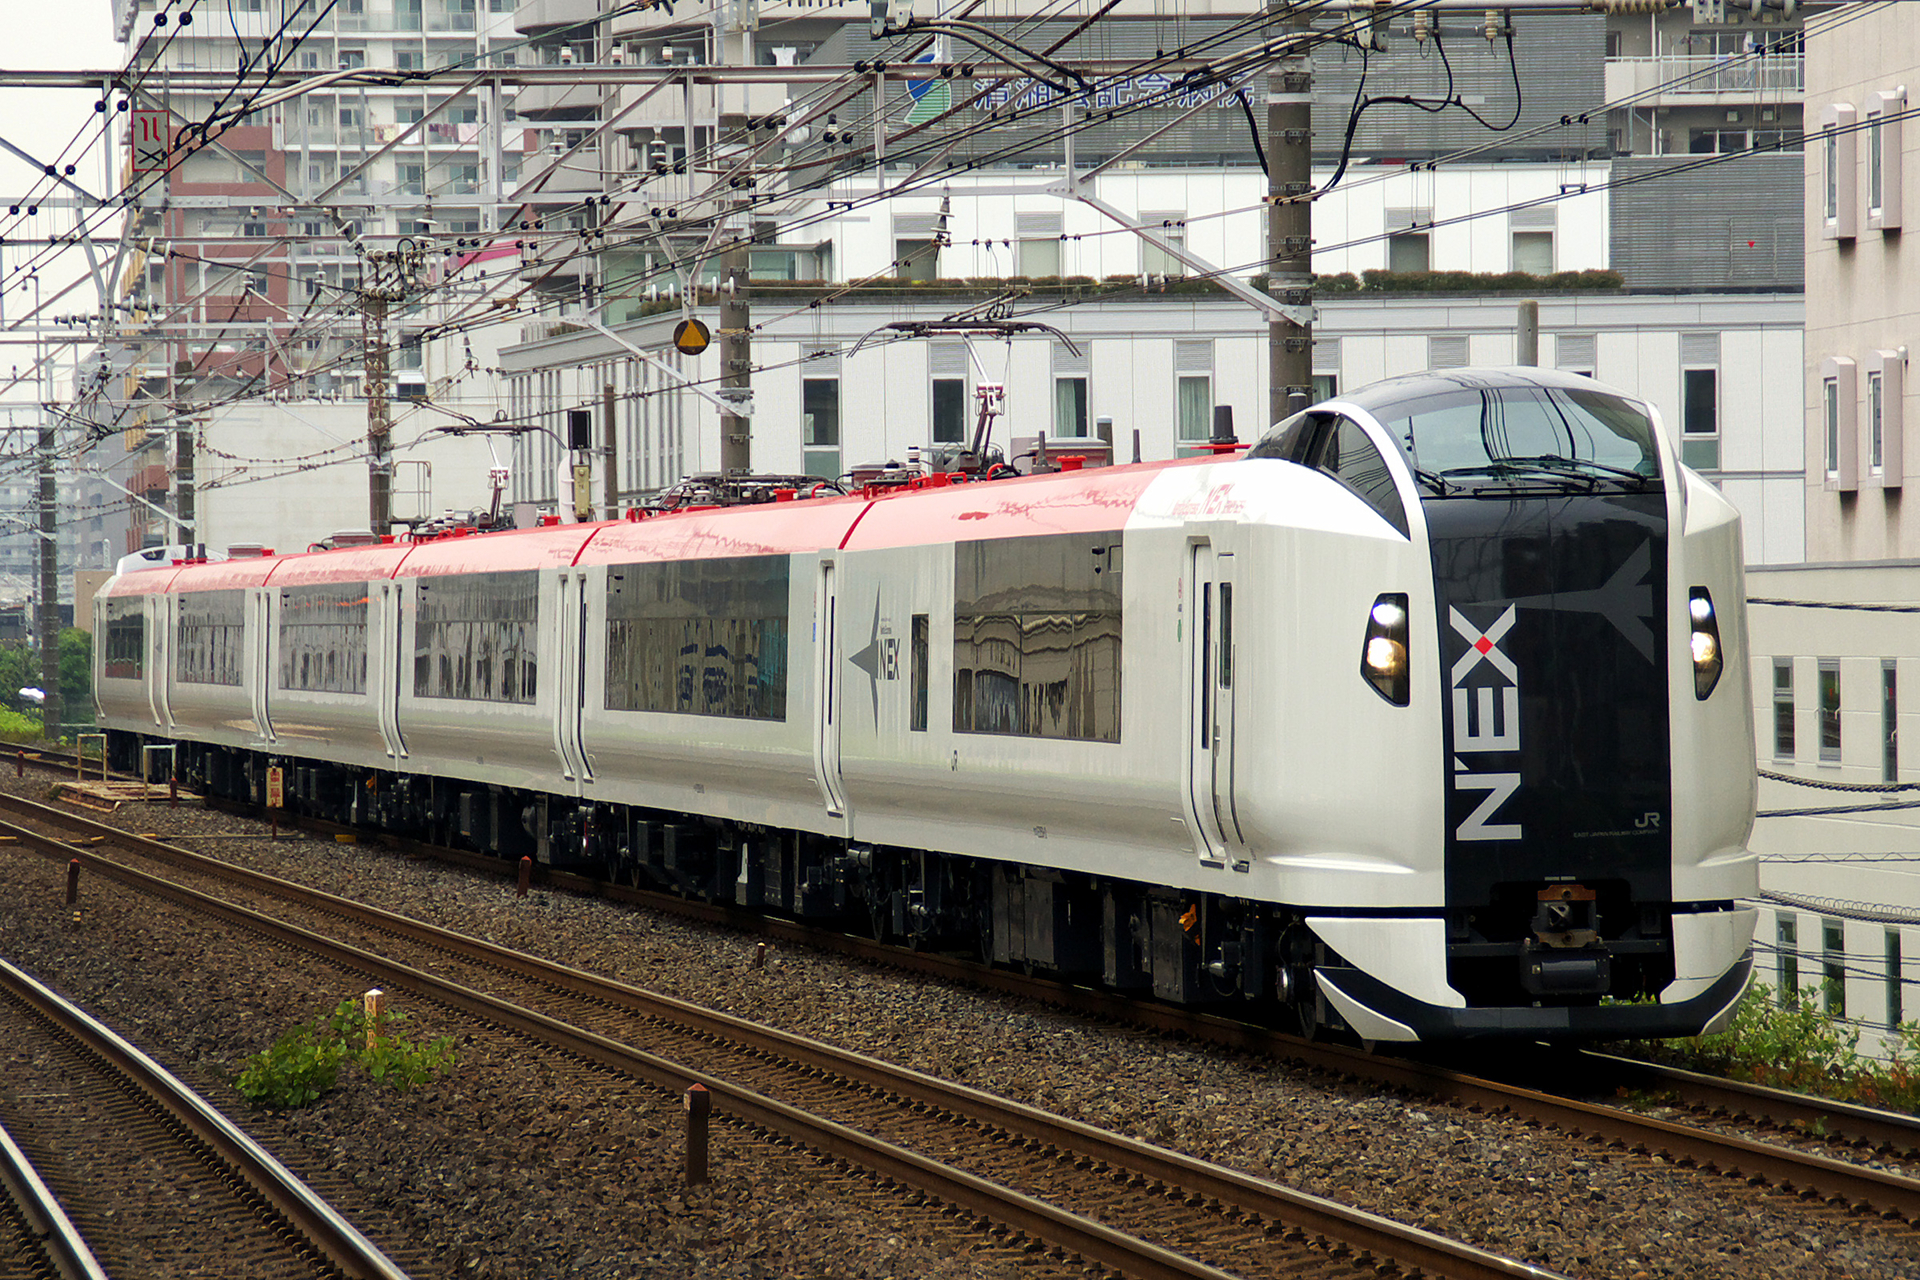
1706, 80
579, 172
660, 19
534, 16
668, 107
558, 101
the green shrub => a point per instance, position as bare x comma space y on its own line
299, 1069
16, 726
304, 1064
1793, 1044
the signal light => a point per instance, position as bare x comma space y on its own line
1383, 653
1708, 661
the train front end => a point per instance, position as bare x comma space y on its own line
1597, 743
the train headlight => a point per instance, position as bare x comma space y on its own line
1707, 658
1383, 654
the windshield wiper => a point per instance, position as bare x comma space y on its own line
1432, 480
1517, 469
1581, 465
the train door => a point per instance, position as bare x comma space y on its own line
388, 679
260, 604
1211, 810
826, 737
569, 702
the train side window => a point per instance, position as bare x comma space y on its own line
1347, 454
1036, 637
921, 652
126, 656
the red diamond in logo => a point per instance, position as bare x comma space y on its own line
1483, 644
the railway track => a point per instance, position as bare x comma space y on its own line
39, 1238
100, 1119
1799, 1122
1105, 1199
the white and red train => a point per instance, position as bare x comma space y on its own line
1425, 717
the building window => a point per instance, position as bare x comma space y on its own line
1839, 161
1876, 170
1783, 709
916, 260
1700, 446
1407, 252
1533, 252
1195, 396
1889, 721
1876, 422
1171, 228
1787, 952
1896, 1006
820, 414
1830, 711
1069, 407
1830, 412
949, 410
1830, 168
1833, 968
1325, 386
1039, 257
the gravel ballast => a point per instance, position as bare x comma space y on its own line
522, 1164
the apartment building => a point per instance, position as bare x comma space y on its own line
1835, 640
242, 281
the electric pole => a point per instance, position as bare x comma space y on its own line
183, 491
387, 277
735, 22
1289, 221
49, 585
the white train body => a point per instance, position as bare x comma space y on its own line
1115, 722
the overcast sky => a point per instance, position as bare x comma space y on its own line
59, 35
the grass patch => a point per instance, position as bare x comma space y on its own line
304, 1065
1795, 1045
18, 727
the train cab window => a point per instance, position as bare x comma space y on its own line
1345, 453
1337, 445
1521, 433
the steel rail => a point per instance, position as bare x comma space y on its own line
1828, 1117
66, 1248
1411, 1247
317, 1221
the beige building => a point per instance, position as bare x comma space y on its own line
1863, 286
1836, 641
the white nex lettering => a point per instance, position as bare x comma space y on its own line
1477, 729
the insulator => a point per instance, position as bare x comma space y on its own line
1422, 26
1491, 30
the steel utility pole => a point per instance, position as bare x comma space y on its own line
1289, 221
735, 22
387, 277
50, 710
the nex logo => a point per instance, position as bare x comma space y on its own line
1486, 718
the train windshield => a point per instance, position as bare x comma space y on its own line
1523, 433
